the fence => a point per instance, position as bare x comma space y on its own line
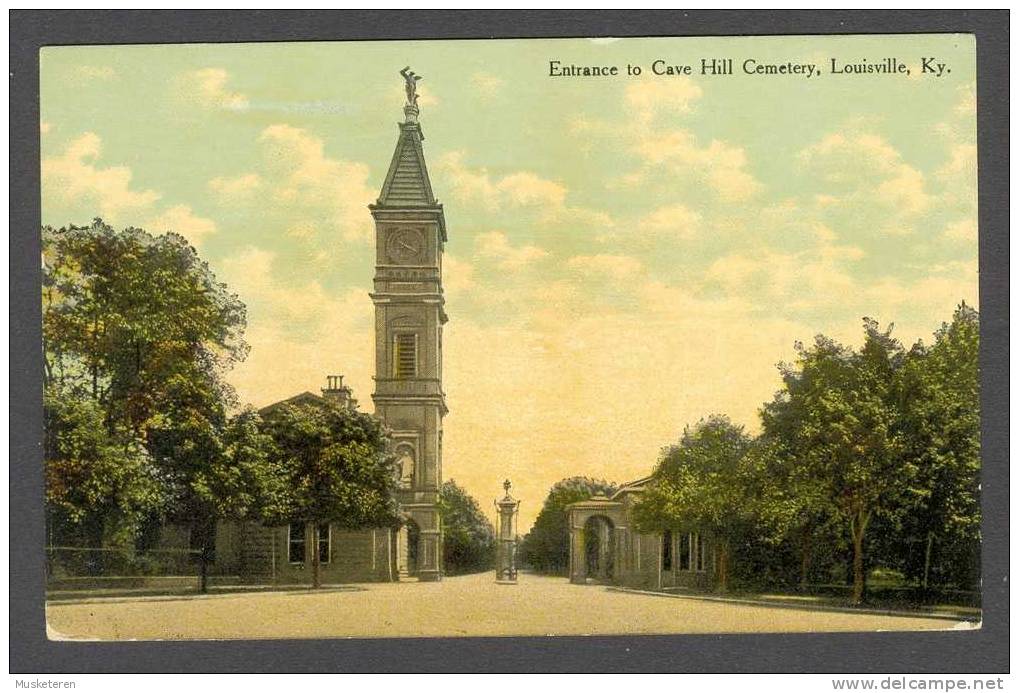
75, 568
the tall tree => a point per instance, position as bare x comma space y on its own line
837, 412
129, 317
939, 401
546, 547
468, 538
137, 327
98, 481
709, 482
216, 468
335, 468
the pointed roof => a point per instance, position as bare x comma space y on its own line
407, 183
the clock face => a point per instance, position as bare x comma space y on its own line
406, 245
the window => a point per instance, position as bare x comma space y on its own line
667, 550
702, 554
323, 542
405, 355
684, 551
295, 539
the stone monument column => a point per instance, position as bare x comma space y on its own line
506, 538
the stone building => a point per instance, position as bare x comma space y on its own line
605, 547
410, 233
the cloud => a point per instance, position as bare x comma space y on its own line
722, 165
517, 190
648, 98
236, 189
795, 281
936, 294
672, 221
180, 219
869, 166
613, 267
300, 176
207, 88
966, 106
494, 245
487, 84
964, 230
457, 276
299, 332
74, 178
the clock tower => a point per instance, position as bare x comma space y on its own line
410, 231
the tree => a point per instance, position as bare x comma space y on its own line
216, 468
468, 541
939, 400
546, 547
709, 482
334, 467
837, 413
138, 330
97, 479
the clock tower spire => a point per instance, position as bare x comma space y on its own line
410, 231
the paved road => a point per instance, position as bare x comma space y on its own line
468, 605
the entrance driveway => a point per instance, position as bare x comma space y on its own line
470, 605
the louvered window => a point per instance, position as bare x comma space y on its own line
405, 356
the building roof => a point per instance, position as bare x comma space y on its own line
306, 397
633, 487
407, 183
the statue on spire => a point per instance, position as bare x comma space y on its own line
411, 85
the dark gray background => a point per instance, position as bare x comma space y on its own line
970, 651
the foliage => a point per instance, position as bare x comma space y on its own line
546, 547
137, 334
216, 469
837, 413
135, 322
710, 483
97, 480
468, 543
939, 399
334, 467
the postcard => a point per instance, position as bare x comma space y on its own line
512, 337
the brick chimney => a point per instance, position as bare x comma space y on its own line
336, 391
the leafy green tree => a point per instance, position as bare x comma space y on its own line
334, 467
98, 480
137, 329
546, 547
130, 318
468, 539
217, 468
837, 412
711, 482
939, 401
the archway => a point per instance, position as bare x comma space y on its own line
599, 548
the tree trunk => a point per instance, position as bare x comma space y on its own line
315, 564
927, 560
723, 566
805, 558
858, 527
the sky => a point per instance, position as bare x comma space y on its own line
626, 254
